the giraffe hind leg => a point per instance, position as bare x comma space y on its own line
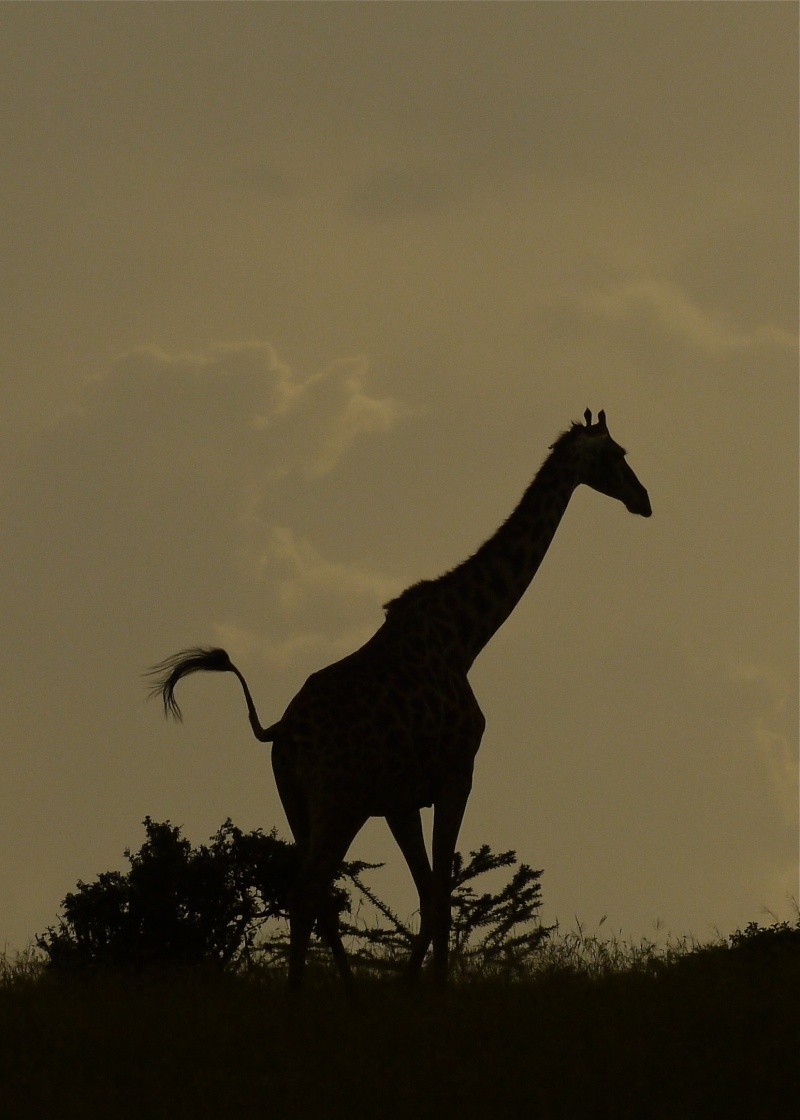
320, 859
295, 806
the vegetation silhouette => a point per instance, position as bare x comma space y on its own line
181, 1008
183, 907
593, 1027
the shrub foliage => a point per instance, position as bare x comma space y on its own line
211, 905
177, 905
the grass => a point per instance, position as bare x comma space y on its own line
592, 1029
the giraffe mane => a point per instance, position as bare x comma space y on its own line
573, 432
412, 592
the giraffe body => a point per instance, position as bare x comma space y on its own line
391, 752
395, 726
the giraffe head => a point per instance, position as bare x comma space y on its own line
600, 463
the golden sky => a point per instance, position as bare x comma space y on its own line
296, 296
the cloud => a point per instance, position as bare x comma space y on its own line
771, 693
165, 495
342, 409
667, 306
307, 574
306, 615
244, 387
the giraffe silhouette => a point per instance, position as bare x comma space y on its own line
395, 726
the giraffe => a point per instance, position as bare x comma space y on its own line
395, 726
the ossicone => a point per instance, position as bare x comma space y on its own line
601, 420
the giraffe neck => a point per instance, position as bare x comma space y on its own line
463, 609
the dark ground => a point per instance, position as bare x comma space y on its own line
715, 1034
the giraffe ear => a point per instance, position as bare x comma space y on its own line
588, 417
601, 419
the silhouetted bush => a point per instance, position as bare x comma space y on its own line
497, 932
767, 942
184, 906
177, 905
496, 929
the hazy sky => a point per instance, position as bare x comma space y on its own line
295, 298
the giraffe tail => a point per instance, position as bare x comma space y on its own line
167, 673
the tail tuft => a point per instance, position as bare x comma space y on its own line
167, 673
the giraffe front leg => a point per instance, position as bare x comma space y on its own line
407, 830
448, 815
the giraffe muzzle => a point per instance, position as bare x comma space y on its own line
640, 503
